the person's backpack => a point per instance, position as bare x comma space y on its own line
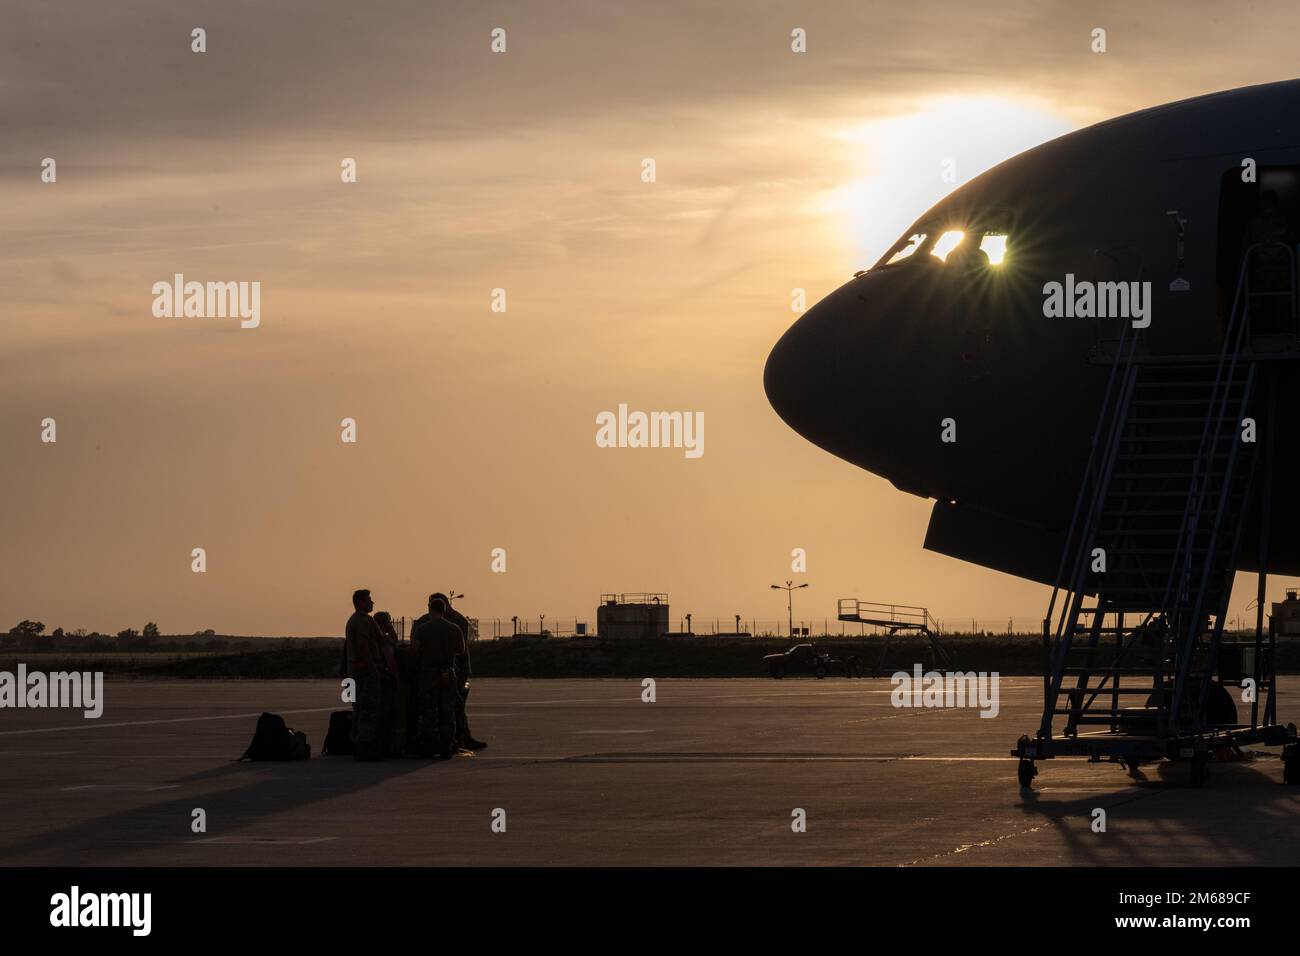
299, 749
338, 739
273, 740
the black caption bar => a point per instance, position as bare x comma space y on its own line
331, 906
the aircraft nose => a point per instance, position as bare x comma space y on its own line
844, 377
803, 371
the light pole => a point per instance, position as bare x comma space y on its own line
789, 588
1259, 615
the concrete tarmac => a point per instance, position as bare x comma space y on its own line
587, 773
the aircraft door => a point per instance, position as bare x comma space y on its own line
1258, 229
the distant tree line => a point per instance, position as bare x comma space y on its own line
30, 635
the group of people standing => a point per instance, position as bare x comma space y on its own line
410, 696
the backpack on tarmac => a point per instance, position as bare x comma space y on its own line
338, 739
273, 740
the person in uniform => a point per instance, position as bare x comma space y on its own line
464, 738
393, 716
366, 666
439, 643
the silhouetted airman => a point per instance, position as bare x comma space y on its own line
463, 737
439, 643
366, 666
392, 723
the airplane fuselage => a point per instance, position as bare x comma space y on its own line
947, 377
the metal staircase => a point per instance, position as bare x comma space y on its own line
1133, 631
1165, 536
895, 618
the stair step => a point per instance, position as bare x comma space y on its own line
1144, 529
1147, 493
1085, 717
1146, 475
1079, 645
1137, 607
1182, 421
1211, 370
1205, 374
1133, 590
1169, 532
1106, 629
1103, 610
1142, 514
1153, 438
1107, 690
1106, 644
1166, 402
1189, 383
1199, 549
1163, 456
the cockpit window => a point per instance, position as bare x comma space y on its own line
977, 246
951, 245
994, 245
947, 242
912, 243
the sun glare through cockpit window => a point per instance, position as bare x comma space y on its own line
995, 247
946, 243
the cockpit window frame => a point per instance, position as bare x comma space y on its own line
929, 237
999, 220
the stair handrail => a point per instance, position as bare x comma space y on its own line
1097, 469
1229, 345
1192, 625
1089, 466
1199, 490
1290, 292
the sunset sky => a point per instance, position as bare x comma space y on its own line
522, 171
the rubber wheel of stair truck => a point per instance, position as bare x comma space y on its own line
1026, 773
777, 670
1200, 770
1291, 764
819, 671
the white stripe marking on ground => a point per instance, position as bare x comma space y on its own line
262, 841
611, 731
95, 725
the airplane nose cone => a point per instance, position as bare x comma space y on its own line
803, 370
844, 377
786, 377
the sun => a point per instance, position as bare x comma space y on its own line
914, 157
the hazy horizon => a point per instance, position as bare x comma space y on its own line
477, 171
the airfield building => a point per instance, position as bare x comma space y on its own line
1286, 615
630, 616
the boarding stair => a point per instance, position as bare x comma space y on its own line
1134, 630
